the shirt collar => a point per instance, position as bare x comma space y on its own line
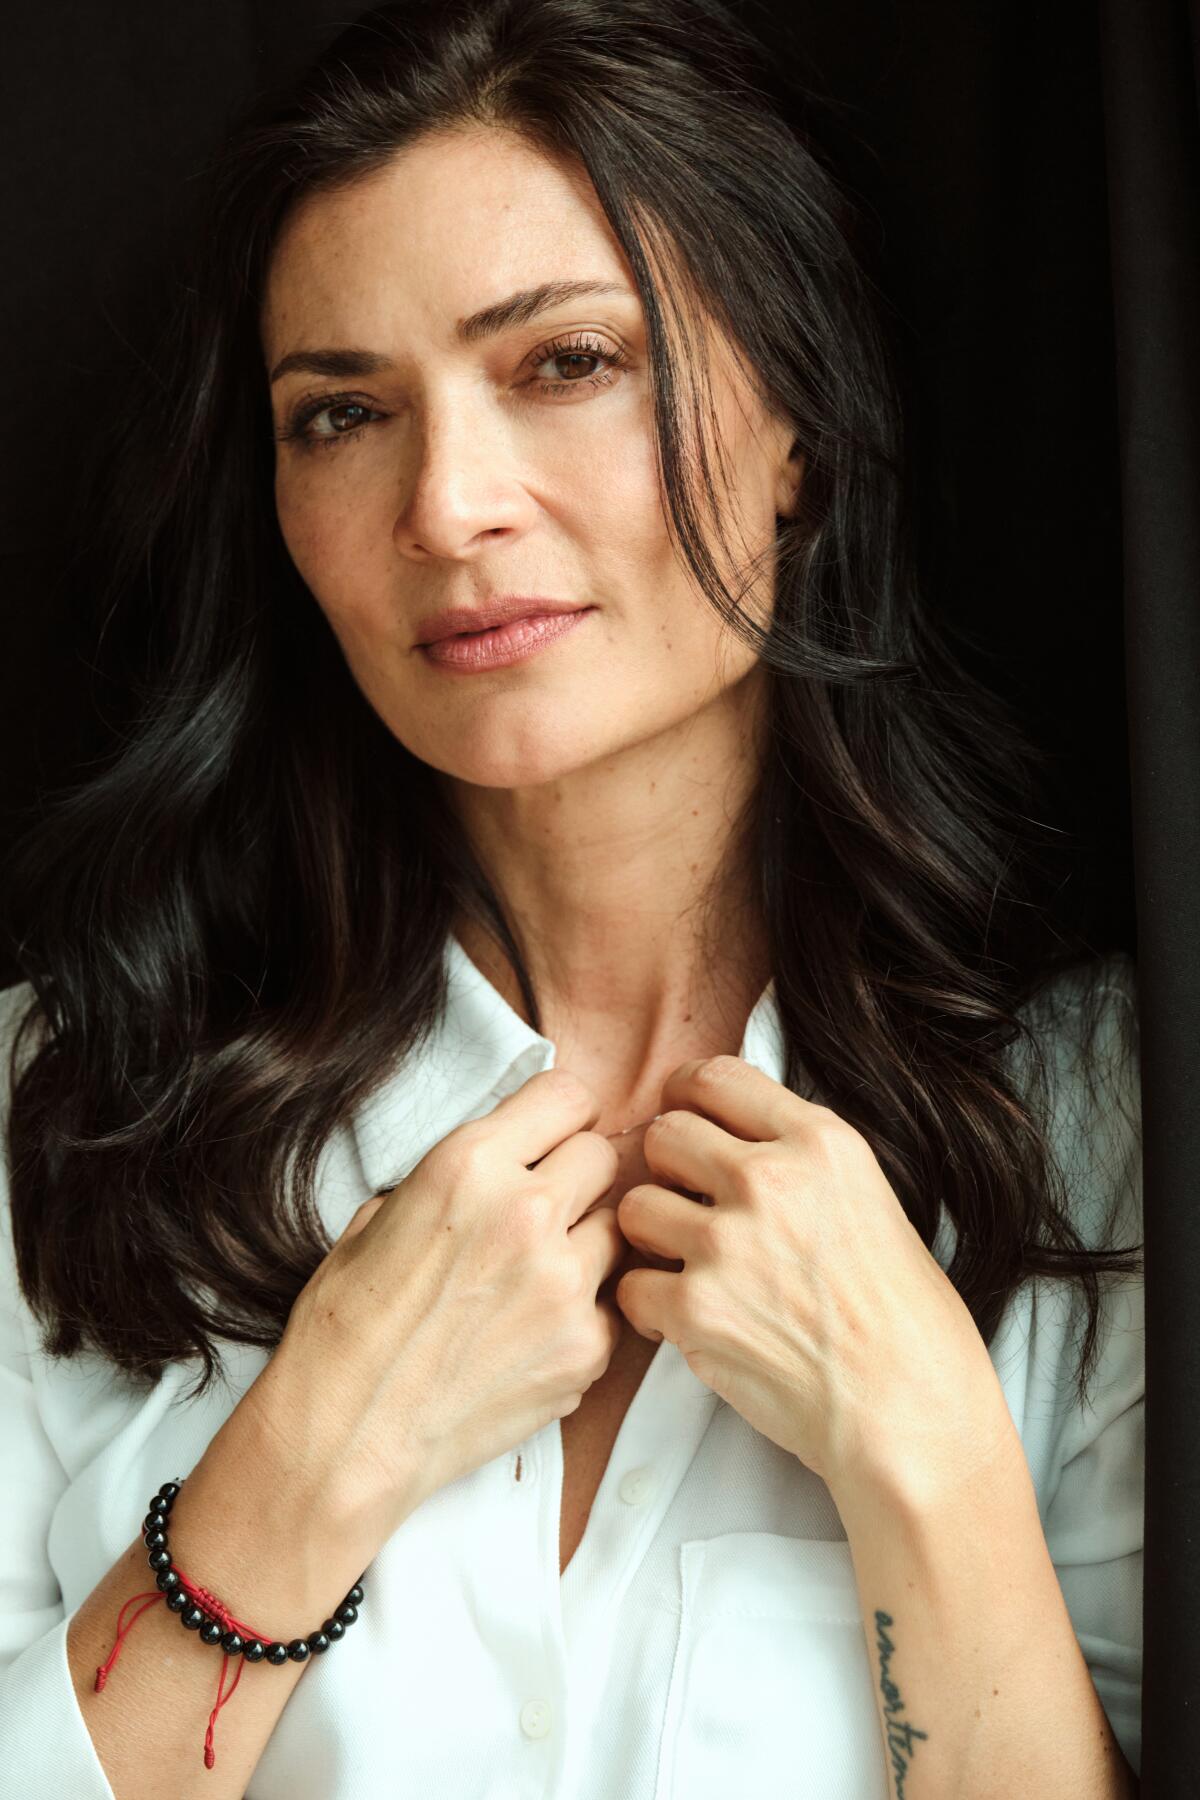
480, 1050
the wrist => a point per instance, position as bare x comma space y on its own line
256, 1523
924, 1479
308, 1439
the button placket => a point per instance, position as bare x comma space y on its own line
537, 1718
658, 1438
637, 1486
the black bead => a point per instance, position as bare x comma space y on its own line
277, 1653
192, 1618
333, 1629
155, 1540
166, 1579
354, 1597
254, 1651
298, 1650
155, 1520
346, 1613
212, 1631
318, 1643
169, 1489
177, 1600
160, 1559
233, 1642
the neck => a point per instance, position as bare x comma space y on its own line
631, 900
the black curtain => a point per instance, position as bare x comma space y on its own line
1151, 84
1028, 175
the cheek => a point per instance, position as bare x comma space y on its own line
663, 670
711, 658
309, 529
330, 543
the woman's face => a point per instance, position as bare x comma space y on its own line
449, 467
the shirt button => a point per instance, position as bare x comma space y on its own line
637, 1486
535, 1718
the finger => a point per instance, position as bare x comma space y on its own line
655, 1219
648, 1298
544, 1110
612, 1312
733, 1093
690, 1151
602, 1242
581, 1170
615, 1319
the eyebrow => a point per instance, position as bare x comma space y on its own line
503, 315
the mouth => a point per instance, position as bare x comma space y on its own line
497, 646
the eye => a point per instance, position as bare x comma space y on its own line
579, 351
298, 426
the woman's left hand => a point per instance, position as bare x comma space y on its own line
806, 1299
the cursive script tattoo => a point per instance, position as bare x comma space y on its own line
899, 1736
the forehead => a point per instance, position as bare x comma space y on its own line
449, 223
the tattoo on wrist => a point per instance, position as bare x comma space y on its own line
900, 1734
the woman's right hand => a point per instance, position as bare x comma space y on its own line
458, 1312
452, 1318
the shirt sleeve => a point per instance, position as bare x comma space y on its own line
45, 1747
1094, 1520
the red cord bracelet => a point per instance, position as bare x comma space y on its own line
201, 1611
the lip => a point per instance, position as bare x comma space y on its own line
513, 641
505, 607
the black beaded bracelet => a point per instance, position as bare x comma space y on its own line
213, 1621
210, 1630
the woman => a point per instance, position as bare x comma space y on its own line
546, 808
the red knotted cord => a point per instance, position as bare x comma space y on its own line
214, 1608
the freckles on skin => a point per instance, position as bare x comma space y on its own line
471, 484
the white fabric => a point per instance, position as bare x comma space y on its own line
706, 1640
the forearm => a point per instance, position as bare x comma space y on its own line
148, 1724
981, 1688
242, 1526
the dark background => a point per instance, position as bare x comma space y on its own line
1031, 174
979, 153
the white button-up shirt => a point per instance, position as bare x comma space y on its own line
706, 1640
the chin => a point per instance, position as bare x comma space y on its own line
523, 765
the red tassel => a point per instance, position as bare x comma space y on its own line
210, 1755
103, 1671
216, 1610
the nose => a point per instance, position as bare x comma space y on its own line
463, 489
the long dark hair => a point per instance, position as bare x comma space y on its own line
235, 928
